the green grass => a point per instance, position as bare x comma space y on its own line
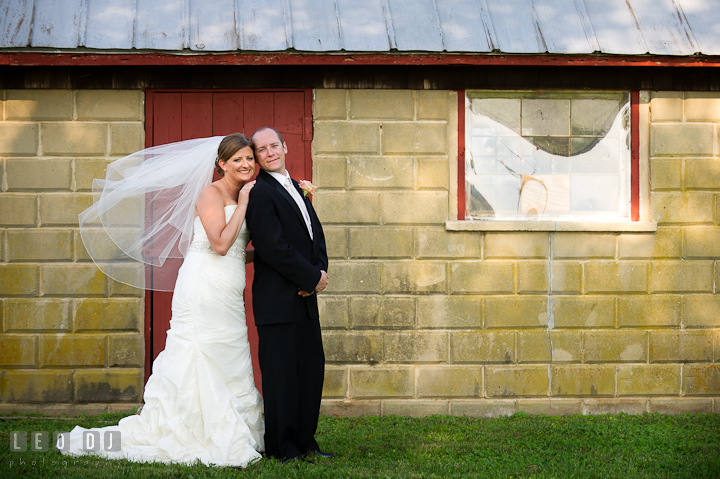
628, 447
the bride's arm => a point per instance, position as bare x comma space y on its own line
211, 209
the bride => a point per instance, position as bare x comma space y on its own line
200, 401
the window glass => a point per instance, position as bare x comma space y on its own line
547, 155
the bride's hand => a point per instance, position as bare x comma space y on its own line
244, 195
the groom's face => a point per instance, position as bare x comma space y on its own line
270, 151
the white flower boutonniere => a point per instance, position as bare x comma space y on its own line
306, 187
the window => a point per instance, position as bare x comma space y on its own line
549, 155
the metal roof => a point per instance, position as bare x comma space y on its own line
629, 27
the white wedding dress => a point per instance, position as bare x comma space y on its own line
200, 401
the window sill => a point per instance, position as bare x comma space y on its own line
592, 226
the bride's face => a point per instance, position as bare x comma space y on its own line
241, 166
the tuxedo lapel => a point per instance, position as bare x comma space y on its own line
284, 193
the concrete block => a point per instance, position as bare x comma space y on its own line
351, 347
666, 242
666, 106
382, 172
482, 277
701, 311
18, 210
516, 245
118, 289
583, 245
615, 346
516, 312
414, 408
73, 280
330, 172
38, 105
19, 279
126, 350
702, 106
74, 410
581, 380
681, 139
126, 138
37, 314
18, 139
649, 311
681, 346
665, 174
382, 104
371, 312
354, 277
336, 241
39, 386
437, 242
109, 104
87, 169
649, 380
54, 174
346, 137
410, 277
39, 245
18, 350
549, 406
682, 207
333, 312
344, 408
616, 277
566, 346
432, 173
680, 406
681, 277
108, 385
109, 314
449, 381
330, 104
533, 277
702, 174
73, 350
701, 242
434, 104
63, 209
533, 347
482, 346
449, 312
415, 347
335, 384
381, 241
347, 207
370, 383
489, 409
74, 138
701, 380
614, 406
419, 138
429, 207
566, 277
516, 381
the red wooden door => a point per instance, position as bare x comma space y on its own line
174, 116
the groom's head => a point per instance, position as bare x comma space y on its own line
270, 149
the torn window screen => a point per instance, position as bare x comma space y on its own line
547, 155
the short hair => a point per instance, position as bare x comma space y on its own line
230, 145
263, 129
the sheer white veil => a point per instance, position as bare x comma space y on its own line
141, 223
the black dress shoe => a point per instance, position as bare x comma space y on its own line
326, 455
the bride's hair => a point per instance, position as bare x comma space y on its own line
228, 147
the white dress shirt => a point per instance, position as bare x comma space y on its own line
284, 179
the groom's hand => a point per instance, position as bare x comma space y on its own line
322, 284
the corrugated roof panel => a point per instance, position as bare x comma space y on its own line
562, 27
615, 27
661, 28
516, 27
264, 25
161, 26
362, 26
462, 26
110, 24
57, 24
704, 24
212, 26
416, 25
15, 22
315, 25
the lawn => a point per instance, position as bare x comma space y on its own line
628, 447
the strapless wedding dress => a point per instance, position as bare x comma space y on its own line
200, 401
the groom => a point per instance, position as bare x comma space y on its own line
290, 269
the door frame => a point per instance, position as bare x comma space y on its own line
149, 112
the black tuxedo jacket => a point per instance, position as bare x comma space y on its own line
285, 257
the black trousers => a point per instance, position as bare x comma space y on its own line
292, 363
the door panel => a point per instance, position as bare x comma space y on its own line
180, 116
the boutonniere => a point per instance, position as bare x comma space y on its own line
306, 187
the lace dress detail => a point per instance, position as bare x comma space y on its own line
201, 244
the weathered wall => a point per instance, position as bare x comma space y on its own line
71, 339
420, 320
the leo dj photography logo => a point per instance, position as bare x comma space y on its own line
40, 441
